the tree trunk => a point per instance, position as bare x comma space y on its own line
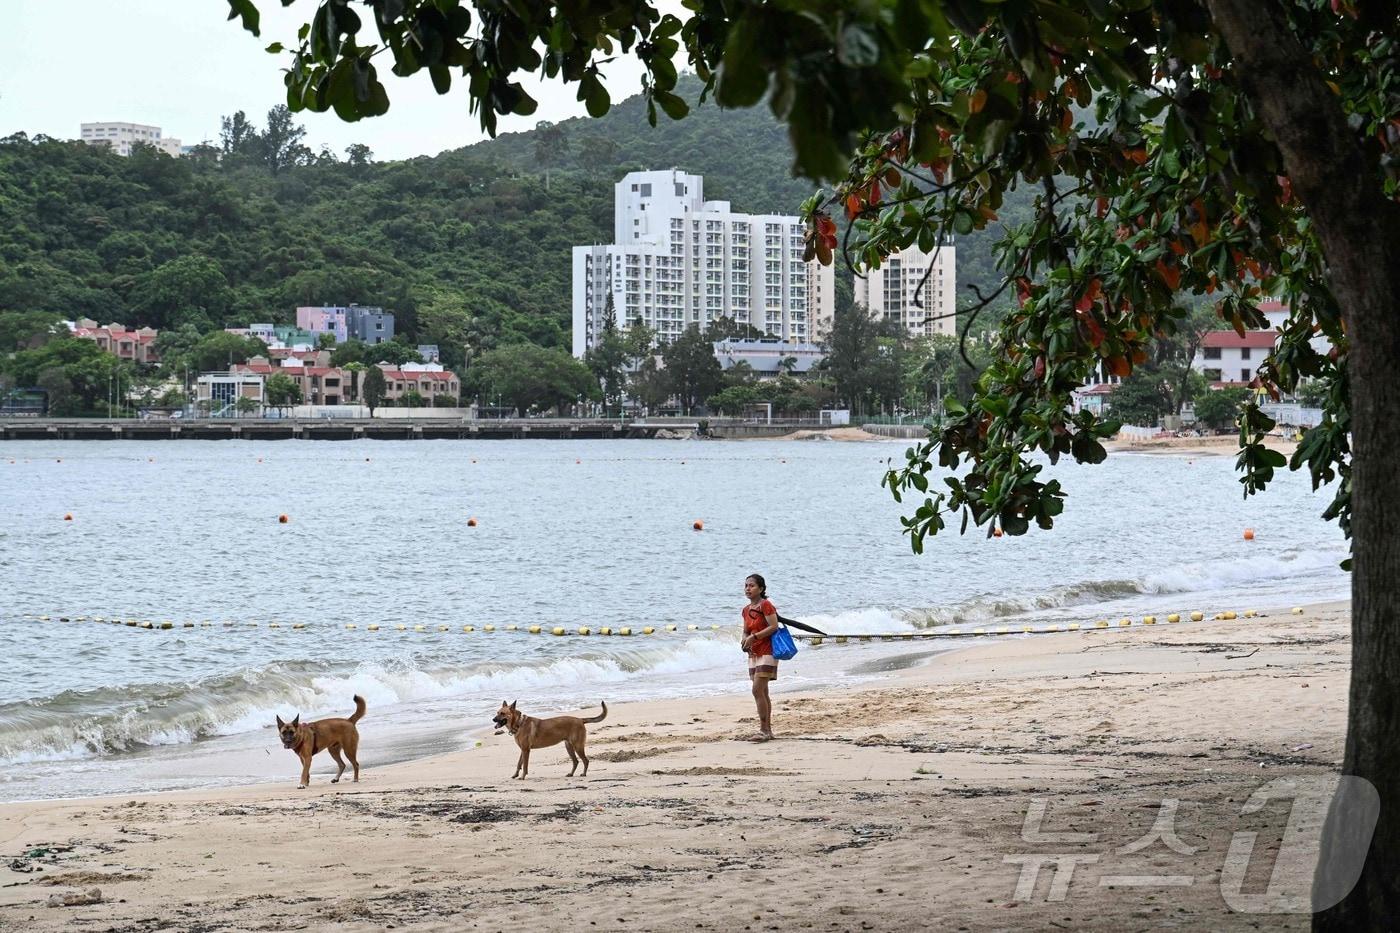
1359, 229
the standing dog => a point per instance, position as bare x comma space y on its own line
531, 733
332, 735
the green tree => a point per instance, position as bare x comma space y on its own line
411, 399
1221, 408
865, 359
358, 154
651, 385
281, 143
372, 388
325, 341
186, 290
218, 350
237, 136
530, 377
351, 351
691, 367
1143, 398
282, 391
20, 330
734, 399
608, 360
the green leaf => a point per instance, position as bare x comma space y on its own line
274, 48
442, 78
245, 10
742, 75
675, 107
594, 95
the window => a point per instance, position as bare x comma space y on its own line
1244, 375
1244, 353
680, 189
1212, 353
646, 191
1212, 375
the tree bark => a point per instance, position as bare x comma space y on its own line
1359, 229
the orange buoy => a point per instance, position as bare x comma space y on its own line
996, 532
67, 516
283, 519
698, 525
1249, 534
578, 461
471, 523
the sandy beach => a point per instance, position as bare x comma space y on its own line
899, 806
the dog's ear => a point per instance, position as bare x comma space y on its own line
296, 722
280, 723
512, 703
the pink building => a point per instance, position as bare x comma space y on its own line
325, 320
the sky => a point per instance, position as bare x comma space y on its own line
181, 65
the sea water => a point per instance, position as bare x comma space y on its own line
587, 533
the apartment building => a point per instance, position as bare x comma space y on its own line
677, 259
138, 346
121, 137
890, 292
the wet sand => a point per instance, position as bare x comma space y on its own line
900, 805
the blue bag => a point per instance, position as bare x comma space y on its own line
784, 648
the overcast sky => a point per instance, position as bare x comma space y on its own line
180, 65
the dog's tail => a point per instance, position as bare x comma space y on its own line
359, 709
601, 716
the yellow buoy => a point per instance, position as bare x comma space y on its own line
147, 625
1297, 610
299, 625
534, 630
468, 628
420, 628
840, 639
274, 625
488, 628
648, 630
349, 625
585, 630
1101, 623
558, 630
670, 628
1197, 616
401, 627
605, 631
624, 631
512, 628
166, 625
443, 628
1174, 617
1228, 615
373, 627
815, 640
691, 628
1073, 627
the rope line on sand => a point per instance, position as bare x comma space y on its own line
952, 631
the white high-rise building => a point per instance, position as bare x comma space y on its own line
888, 292
122, 136
677, 259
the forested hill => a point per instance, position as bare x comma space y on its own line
468, 247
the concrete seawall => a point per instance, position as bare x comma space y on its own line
98, 429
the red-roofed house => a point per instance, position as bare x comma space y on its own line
429, 380
138, 346
1226, 358
320, 385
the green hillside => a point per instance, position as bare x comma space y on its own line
468, 247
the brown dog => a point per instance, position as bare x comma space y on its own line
332, 735
531, 733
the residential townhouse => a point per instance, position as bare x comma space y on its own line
138, 346
320, 383
429, 380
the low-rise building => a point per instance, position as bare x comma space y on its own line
138, 346
351, 322
770, 359
429, 352
1226, 358
122, 137
429, 380
222, 389
320, 384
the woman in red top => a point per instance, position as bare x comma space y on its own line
760, 622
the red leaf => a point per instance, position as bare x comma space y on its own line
1170, 274
1119, 366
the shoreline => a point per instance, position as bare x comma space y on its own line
890, 802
